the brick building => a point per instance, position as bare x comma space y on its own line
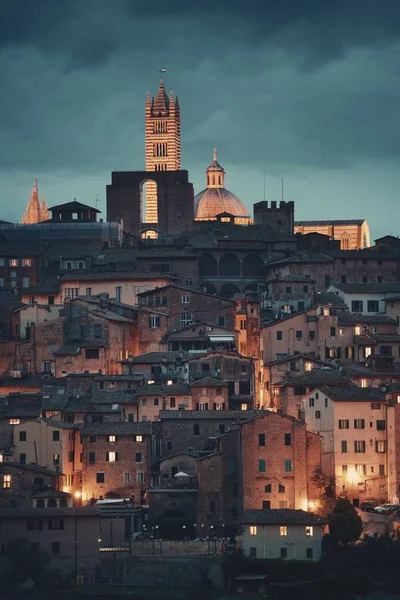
209, 393
236, 370
353, 234
116, 460
153, 398
181, 306
195, 431
200, 336
265, 462
18, 482
21, 264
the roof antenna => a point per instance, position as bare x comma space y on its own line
282, 190
97, 200
264, 185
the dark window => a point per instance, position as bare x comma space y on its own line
281, 489
244, 387
373, 306
381, 425
56, 523
343, 278
283, 552
221, 428
327, 280
22, 459
261, 465
279, 335
92, 458
288, 439
100, 478
357, 306
22, 436
299, 334
71, 456
55, 547
288, 289
56, 436
51, 299
266, 504
91, 353
253, 552
344, 446
212, 506
365, 279
92, 438
196, 429
139, 457
300, 306
38, 481
309, 552
311, 335
379, 279
169, 445
221, 321
305, 289
333, 331
97, 330
365, 261
268, 488
261, 439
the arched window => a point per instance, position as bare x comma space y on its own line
213, 179
219, 179
252, 264
208, 266
229, 266
344, 242
228, 290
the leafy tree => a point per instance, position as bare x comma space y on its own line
325, 505
25, 563
345, 526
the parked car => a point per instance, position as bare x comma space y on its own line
382, 509
393, 508
368, 506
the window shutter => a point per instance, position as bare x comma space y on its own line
214, 406
223, 406
107, 457
197, 406
206, 405
150, 322
158, 321
116, 456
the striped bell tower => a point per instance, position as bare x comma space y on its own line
163, 142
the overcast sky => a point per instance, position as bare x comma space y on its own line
304, 89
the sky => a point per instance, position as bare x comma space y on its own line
307, 90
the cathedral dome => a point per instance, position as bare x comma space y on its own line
216, 199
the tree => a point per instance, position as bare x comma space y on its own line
325, 505
25, 563
345, 526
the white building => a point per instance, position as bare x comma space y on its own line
365, 298
283, 533
353, 423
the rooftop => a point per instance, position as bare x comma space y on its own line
350, 318
209, 382
327, 223
353, 394
281, 516
220, 415
367, 288
158, 357
177, 389
140, 428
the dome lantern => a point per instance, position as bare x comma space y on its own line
215, 173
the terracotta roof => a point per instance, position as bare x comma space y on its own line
353, 394
281, 516
14, 513
350, 318
209, 382
158, 357
316, 378
114, 397
177, 389
140, 428
367, 288
33, 468
233, 415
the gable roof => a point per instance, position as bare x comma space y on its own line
185, 289
209, 382
353, 394
367, 288
281, 516
74, 205
177, 389
139, 428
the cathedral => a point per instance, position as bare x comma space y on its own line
36, 211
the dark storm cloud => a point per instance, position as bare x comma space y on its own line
272, 82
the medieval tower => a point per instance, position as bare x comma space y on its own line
36, 212
163, 142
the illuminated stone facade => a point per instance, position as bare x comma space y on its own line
36, 211
217, 200
353, 234
163, 143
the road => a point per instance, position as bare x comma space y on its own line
376, 523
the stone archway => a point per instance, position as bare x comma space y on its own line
228, 290
208, 266
252, 265
229, 266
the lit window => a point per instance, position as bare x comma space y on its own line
357, 330
13, 262
363, 383
6, 482
243, 407
283, 530
309, 531
341, 332
368, 351
111, 456
15, 421
308, 367
26, 262
139, 438
253, 530
112, 438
